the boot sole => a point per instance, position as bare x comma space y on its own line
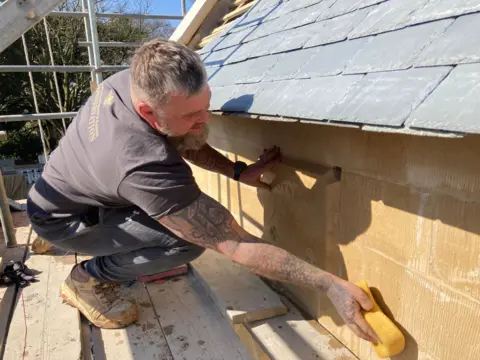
67, 297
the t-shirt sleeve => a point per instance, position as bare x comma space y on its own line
160, 189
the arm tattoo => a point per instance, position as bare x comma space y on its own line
208, 224
210, 159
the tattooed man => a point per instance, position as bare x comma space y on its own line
118, 188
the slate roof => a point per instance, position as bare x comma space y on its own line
400, 64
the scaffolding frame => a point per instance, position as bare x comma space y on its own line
95, 68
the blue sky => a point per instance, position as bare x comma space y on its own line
169, 7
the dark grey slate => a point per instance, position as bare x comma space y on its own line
228, 74
242, 53
266, 45
288, 65
219, 57
439, 9
336, 29
454, 105
331, 59
314, 98
233, 39
264, 101
306, 16
292, 39
221, 95
390, 15
212, 71
242, 100
387, 98
396, 50
257, 68
342, 7
267, 28
459, 44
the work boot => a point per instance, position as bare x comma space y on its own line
97, 301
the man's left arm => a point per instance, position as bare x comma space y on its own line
210, 159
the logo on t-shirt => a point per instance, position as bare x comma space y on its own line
94, 112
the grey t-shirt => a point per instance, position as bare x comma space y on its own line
110, 157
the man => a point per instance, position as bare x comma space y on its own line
118, 188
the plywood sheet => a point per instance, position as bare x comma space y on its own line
239, 294
292, 337
143, 340
52, 328
193, 326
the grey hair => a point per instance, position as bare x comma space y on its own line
162, 67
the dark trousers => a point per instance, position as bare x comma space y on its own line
126, 243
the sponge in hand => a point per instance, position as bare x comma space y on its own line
393, 341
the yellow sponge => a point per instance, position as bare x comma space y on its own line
393, 341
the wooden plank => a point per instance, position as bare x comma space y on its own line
239, 294
192, 21
250, 343
292, 337
194, 327
52, 329
5, 216
8, 294
144, 339
239, 2
16, 17
238, 11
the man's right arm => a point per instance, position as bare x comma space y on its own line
208, 224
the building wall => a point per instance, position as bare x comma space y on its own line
403, 213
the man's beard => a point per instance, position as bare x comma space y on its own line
190, 141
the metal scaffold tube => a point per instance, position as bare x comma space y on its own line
44, 116
118, 15
45, 68
92, 19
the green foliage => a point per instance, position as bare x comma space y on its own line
16, 95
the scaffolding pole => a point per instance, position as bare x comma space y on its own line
111, 44
45, 68
6, 216
117, 15
92, 19
184, 7
43, 116
88, 36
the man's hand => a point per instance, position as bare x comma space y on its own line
251, 175
348, 300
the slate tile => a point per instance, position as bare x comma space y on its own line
342, 7
228, 74
292, 39
220, 96
388, 98
243, 98
264, 102
396, 50
440, 9
336, 29
219, 57
390, 15
305, 16
313, 98
267, 45
242, 53
331, 59
233, 39
289, 65
257, 68
267, 28
212, 71
458, 45
453, 105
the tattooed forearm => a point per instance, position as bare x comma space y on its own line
210, 159
207, 223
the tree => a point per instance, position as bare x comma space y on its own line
16, 96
